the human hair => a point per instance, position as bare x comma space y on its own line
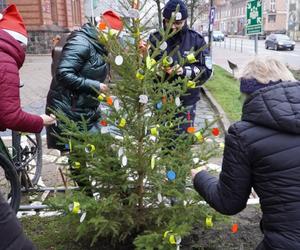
265, 70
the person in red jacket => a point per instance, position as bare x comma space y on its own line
13, 41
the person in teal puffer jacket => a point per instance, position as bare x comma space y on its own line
79, 78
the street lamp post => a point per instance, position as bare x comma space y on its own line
210, 26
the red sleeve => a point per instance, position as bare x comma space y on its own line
11, 114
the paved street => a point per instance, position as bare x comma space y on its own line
240, 51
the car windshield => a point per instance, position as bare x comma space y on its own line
217, 33
282, 37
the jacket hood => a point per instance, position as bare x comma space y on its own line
11, 47
90, 32
276, 107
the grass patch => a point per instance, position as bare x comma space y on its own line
226, 91
296, 74
55, 233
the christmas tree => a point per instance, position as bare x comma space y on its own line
135, 174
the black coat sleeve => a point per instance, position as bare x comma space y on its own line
74, 55
228, 194
202, 68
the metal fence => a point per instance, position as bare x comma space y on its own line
231, 44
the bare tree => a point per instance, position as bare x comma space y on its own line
159, 4
196, 8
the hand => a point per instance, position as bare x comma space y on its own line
169, 70
48, 120
178, 69
143, 47
195, 171
103, 87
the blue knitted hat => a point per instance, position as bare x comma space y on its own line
170, 8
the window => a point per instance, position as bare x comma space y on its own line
54, 15
272, 5
76, 12
272, 18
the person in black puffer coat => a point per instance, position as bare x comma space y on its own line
79, 78
262, 151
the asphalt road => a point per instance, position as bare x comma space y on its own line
245, 48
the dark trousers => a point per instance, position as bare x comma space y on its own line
188, 115
11, 234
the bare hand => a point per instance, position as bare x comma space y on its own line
143, 47
48, 120
103, 87
195, 171
177, 69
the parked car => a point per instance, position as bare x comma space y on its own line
279, 41
217, 35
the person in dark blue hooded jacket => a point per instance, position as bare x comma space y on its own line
187, 44
262, 151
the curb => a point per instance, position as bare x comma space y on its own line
225, 123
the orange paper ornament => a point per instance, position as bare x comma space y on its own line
191, 130
109, 101
102, 26
234, 228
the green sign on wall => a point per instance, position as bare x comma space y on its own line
254, 17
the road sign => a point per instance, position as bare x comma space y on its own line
212, 15
254, 17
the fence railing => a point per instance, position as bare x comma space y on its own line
231, 44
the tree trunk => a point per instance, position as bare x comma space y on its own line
159, 12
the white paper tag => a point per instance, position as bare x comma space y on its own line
104, 130
96, 196
163, 46
143, 99
177, 101
119, 60
120, 152
82, 217
159, 197
208, 62
124, 160
97, 19
117, 104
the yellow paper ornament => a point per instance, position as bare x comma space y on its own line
191, 84
199, 136
101, 97
75, 207
208, 221
90, 148
191, 58
76, 165
167, 61
140, 74
122, 123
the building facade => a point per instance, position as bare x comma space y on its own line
275, 14
44, 19
231, 16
